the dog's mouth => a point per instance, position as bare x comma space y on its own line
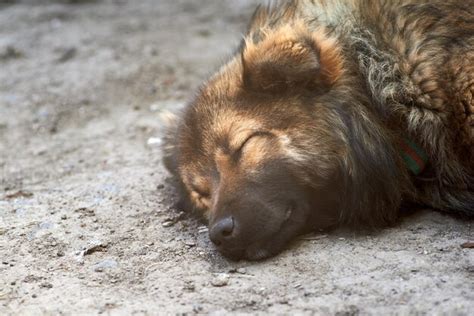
270, 244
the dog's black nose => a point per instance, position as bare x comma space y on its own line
222, 231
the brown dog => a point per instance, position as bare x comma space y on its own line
331, 113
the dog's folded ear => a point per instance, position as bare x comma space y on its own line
291, 57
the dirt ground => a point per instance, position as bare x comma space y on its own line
87, 224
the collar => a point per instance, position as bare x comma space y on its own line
413, 155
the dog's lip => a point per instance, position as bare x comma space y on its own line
259, 249
232, 253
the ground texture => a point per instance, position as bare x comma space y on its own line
87, 224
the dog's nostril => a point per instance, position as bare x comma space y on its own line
228, 228
222, 230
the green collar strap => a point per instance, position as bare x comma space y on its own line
414, 156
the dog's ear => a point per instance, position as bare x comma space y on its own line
291, 57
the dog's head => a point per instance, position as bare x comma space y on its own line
270, 147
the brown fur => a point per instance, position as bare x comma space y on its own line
300, 128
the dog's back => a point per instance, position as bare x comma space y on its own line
416, 59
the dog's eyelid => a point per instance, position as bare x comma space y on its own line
254, 134
202, 189
201, 192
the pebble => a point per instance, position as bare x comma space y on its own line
93, 246
154, 141
242, 270
105, 264
221, 279
46, 285
154, 107
190, 243
67, 54
167, 224
197, 308
189, 286
203, 229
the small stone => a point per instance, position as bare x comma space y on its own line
203, 229
105, 264
94, 246
190, 243
34, 296
167, 224
46, 285
155, 107
197, 308
160, 186
39, 151
221, 279
67, 54
60, 253
242, 270
63, 217
189, 286
154, 141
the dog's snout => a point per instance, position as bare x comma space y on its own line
222, 231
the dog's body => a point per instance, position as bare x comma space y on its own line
307, 125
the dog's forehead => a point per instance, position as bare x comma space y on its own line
218, 118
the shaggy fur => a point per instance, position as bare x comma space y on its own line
327, 90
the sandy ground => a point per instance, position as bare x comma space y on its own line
87, 224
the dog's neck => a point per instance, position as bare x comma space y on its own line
413, 155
